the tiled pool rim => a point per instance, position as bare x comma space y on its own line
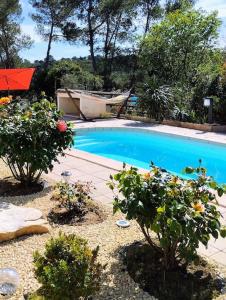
117, 165
175, 135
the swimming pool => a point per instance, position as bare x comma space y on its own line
139, 147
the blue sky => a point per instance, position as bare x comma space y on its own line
61, 49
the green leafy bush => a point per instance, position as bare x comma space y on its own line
68, 269
180, 52
156, 100
31, 138
180, 212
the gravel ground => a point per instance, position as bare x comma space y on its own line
116, 283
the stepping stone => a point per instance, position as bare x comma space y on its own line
16, 221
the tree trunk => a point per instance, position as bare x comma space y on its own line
91, 38
49, 46
9, 61
106, 53
147, 25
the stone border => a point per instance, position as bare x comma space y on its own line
98, 160
197, 126
116, 165
150, 130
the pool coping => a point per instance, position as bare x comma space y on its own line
117, 165
150, 130
100, 160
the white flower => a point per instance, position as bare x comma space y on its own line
145, 185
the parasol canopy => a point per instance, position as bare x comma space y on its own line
15, 79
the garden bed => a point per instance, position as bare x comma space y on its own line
116, 282
196, 282
18, 253
92, 214
11, 187
196, 126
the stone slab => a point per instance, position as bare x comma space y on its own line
16, 221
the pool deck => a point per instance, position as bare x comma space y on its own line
89, 167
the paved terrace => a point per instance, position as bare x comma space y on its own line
89, 167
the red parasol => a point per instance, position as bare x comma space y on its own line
15, 79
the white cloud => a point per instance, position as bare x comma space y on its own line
29, 29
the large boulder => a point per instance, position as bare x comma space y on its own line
16, 221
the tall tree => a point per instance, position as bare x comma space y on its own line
182, 47
12, 41
103, 23
50, 16
181, 52
172, 5
116, 32
91, 10
89, 19
151, 10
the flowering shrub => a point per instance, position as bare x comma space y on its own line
31, 139
5, 100
180, 212
72, 196
62, 126
68, 269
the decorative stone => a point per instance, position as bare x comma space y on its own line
16, 221
9, 281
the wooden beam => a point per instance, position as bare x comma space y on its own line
123, 105
94, 92
77, 107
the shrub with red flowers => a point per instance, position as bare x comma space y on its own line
31, 139
62, 126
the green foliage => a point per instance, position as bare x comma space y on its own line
151, 10
31, 138
173, 5
156, 100
82, 80
12, 41
72, 75
179, 211
182, 48
72, 196
68, 269
181, 52
50, 16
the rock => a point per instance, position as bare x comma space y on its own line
16, 221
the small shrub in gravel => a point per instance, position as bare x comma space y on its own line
74, 205
72, 196
68, 269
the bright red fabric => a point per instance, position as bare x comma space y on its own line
15, 79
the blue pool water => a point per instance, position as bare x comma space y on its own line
139, 148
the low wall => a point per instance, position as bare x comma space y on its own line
202, 127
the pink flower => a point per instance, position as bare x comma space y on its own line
62, 126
